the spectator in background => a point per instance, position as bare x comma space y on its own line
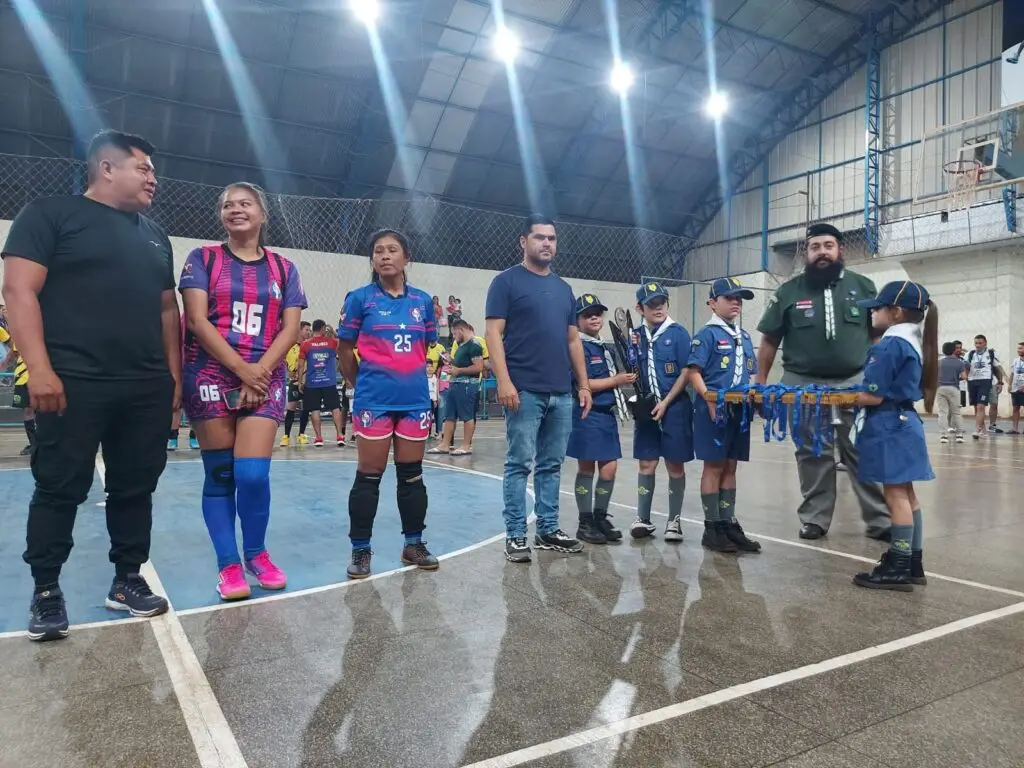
318, 380
436, 359
958, 351
294, 391
1017, 387
454, 310
439, 319
952, 370
463, 392
983, 371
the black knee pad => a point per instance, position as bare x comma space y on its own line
412, 496
365, 487
409, 473
362, 505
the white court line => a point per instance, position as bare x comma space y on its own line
600, 733
211, 735
89, 625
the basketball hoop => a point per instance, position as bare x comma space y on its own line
963, 176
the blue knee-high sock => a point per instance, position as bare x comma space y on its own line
219, 505
252, 478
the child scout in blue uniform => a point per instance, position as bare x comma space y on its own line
663, 351
722, 357
901, 368
594, 441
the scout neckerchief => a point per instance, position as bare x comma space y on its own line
609, 360
830, 311
737, 337
652, 370
909, 332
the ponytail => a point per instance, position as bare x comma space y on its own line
930, 352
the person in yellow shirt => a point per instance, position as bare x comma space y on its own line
436, 359
291, 359
21, 398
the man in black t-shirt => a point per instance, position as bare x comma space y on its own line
75, 268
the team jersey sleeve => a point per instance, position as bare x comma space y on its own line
429, 325
303, 350
497, 305
353, 317
194, 274
33, 234
294, 295
881, 369
700, 349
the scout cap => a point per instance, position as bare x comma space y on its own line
899, 293
819, 230
729, 286
649, 291
588, 301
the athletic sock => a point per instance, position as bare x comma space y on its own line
710, 502
584, 490
902, 535
644, 496
413, 538
676, 489
917, 540
219, 505
360, 543
289, 421
303, 421
603, 494
727, 504
252, 479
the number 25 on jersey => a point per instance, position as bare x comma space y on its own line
247, 318
403, 342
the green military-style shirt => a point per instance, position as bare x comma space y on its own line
824, 334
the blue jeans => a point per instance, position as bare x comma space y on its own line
537, 434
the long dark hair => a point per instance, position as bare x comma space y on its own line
402, 241
929, 349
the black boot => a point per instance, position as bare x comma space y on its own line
604, 524
917, 568
589, 532
892, 572
734, 531
715, 537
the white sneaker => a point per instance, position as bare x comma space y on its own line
674, 530
959, 439
944, 439
641, 529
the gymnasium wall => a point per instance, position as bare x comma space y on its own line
946, 71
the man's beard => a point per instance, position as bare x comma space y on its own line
822, 277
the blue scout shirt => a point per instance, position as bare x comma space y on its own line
597, 368
725, 361
671, 351
894, 370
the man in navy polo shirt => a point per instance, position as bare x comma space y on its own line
535, 350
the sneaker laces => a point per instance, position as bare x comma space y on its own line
519, 541
559, 534
48, 607
420, 548
138, 585
361, 556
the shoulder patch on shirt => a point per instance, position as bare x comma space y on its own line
695, 343
872, 387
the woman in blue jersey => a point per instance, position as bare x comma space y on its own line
390, 325
902, 368
243, 304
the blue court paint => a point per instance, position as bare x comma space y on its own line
308, 534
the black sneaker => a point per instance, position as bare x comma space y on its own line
892, 572
417, 554
715, 538
917, 568
604, 524
359, 567
132, 594
673, 529
589, 532
558, 540
48, 616
734, 532
517, 550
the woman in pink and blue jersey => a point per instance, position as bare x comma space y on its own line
390, 324
243, 305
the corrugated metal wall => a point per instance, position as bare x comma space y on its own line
945, 72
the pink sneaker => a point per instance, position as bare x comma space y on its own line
233, 585
267, 574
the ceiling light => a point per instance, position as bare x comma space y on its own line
367, 11
622, 78
506, 44
717, 104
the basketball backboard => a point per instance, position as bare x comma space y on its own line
990, 146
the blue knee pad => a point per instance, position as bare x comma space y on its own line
220, 473
252, 478
251, 472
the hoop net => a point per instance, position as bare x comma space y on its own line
962, 177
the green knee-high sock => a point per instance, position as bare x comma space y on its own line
584, 489
644, 496
603, 495
676, 490
710, 502
917, 540
901, 538
727, 504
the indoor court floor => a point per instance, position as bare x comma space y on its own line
636, 655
